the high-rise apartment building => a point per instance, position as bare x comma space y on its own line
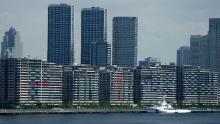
104, 87
208, 87
11, 47
116, 86
196, 86
151, 84
30, 82
187, 84
183, 56
80, 85
67, 85
85, 85
93, 33
60, 49
124, 44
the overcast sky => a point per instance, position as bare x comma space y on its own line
164, 25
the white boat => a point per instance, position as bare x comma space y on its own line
164, 107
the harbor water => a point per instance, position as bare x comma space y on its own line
120, 118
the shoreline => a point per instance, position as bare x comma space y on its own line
35, 112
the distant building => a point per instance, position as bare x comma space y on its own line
94, 31
125, 38
30, 82
149, 62
172, 63
151, 84
60, 47
11, 47
116, 86
196, 86
183, 56
199, 51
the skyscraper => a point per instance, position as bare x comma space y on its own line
100, 54
93, 30
214, 43
199, 51
183, 55
11, 47
60, 34
125, 41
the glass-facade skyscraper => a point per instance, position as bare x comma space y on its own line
100, 54
93, 30
60, 34
214, 44
125, 41
11, 47
199, 51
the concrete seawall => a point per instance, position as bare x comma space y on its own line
29, 112
89, 111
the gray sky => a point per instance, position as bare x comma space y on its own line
164, 25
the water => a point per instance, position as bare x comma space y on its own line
145, 118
